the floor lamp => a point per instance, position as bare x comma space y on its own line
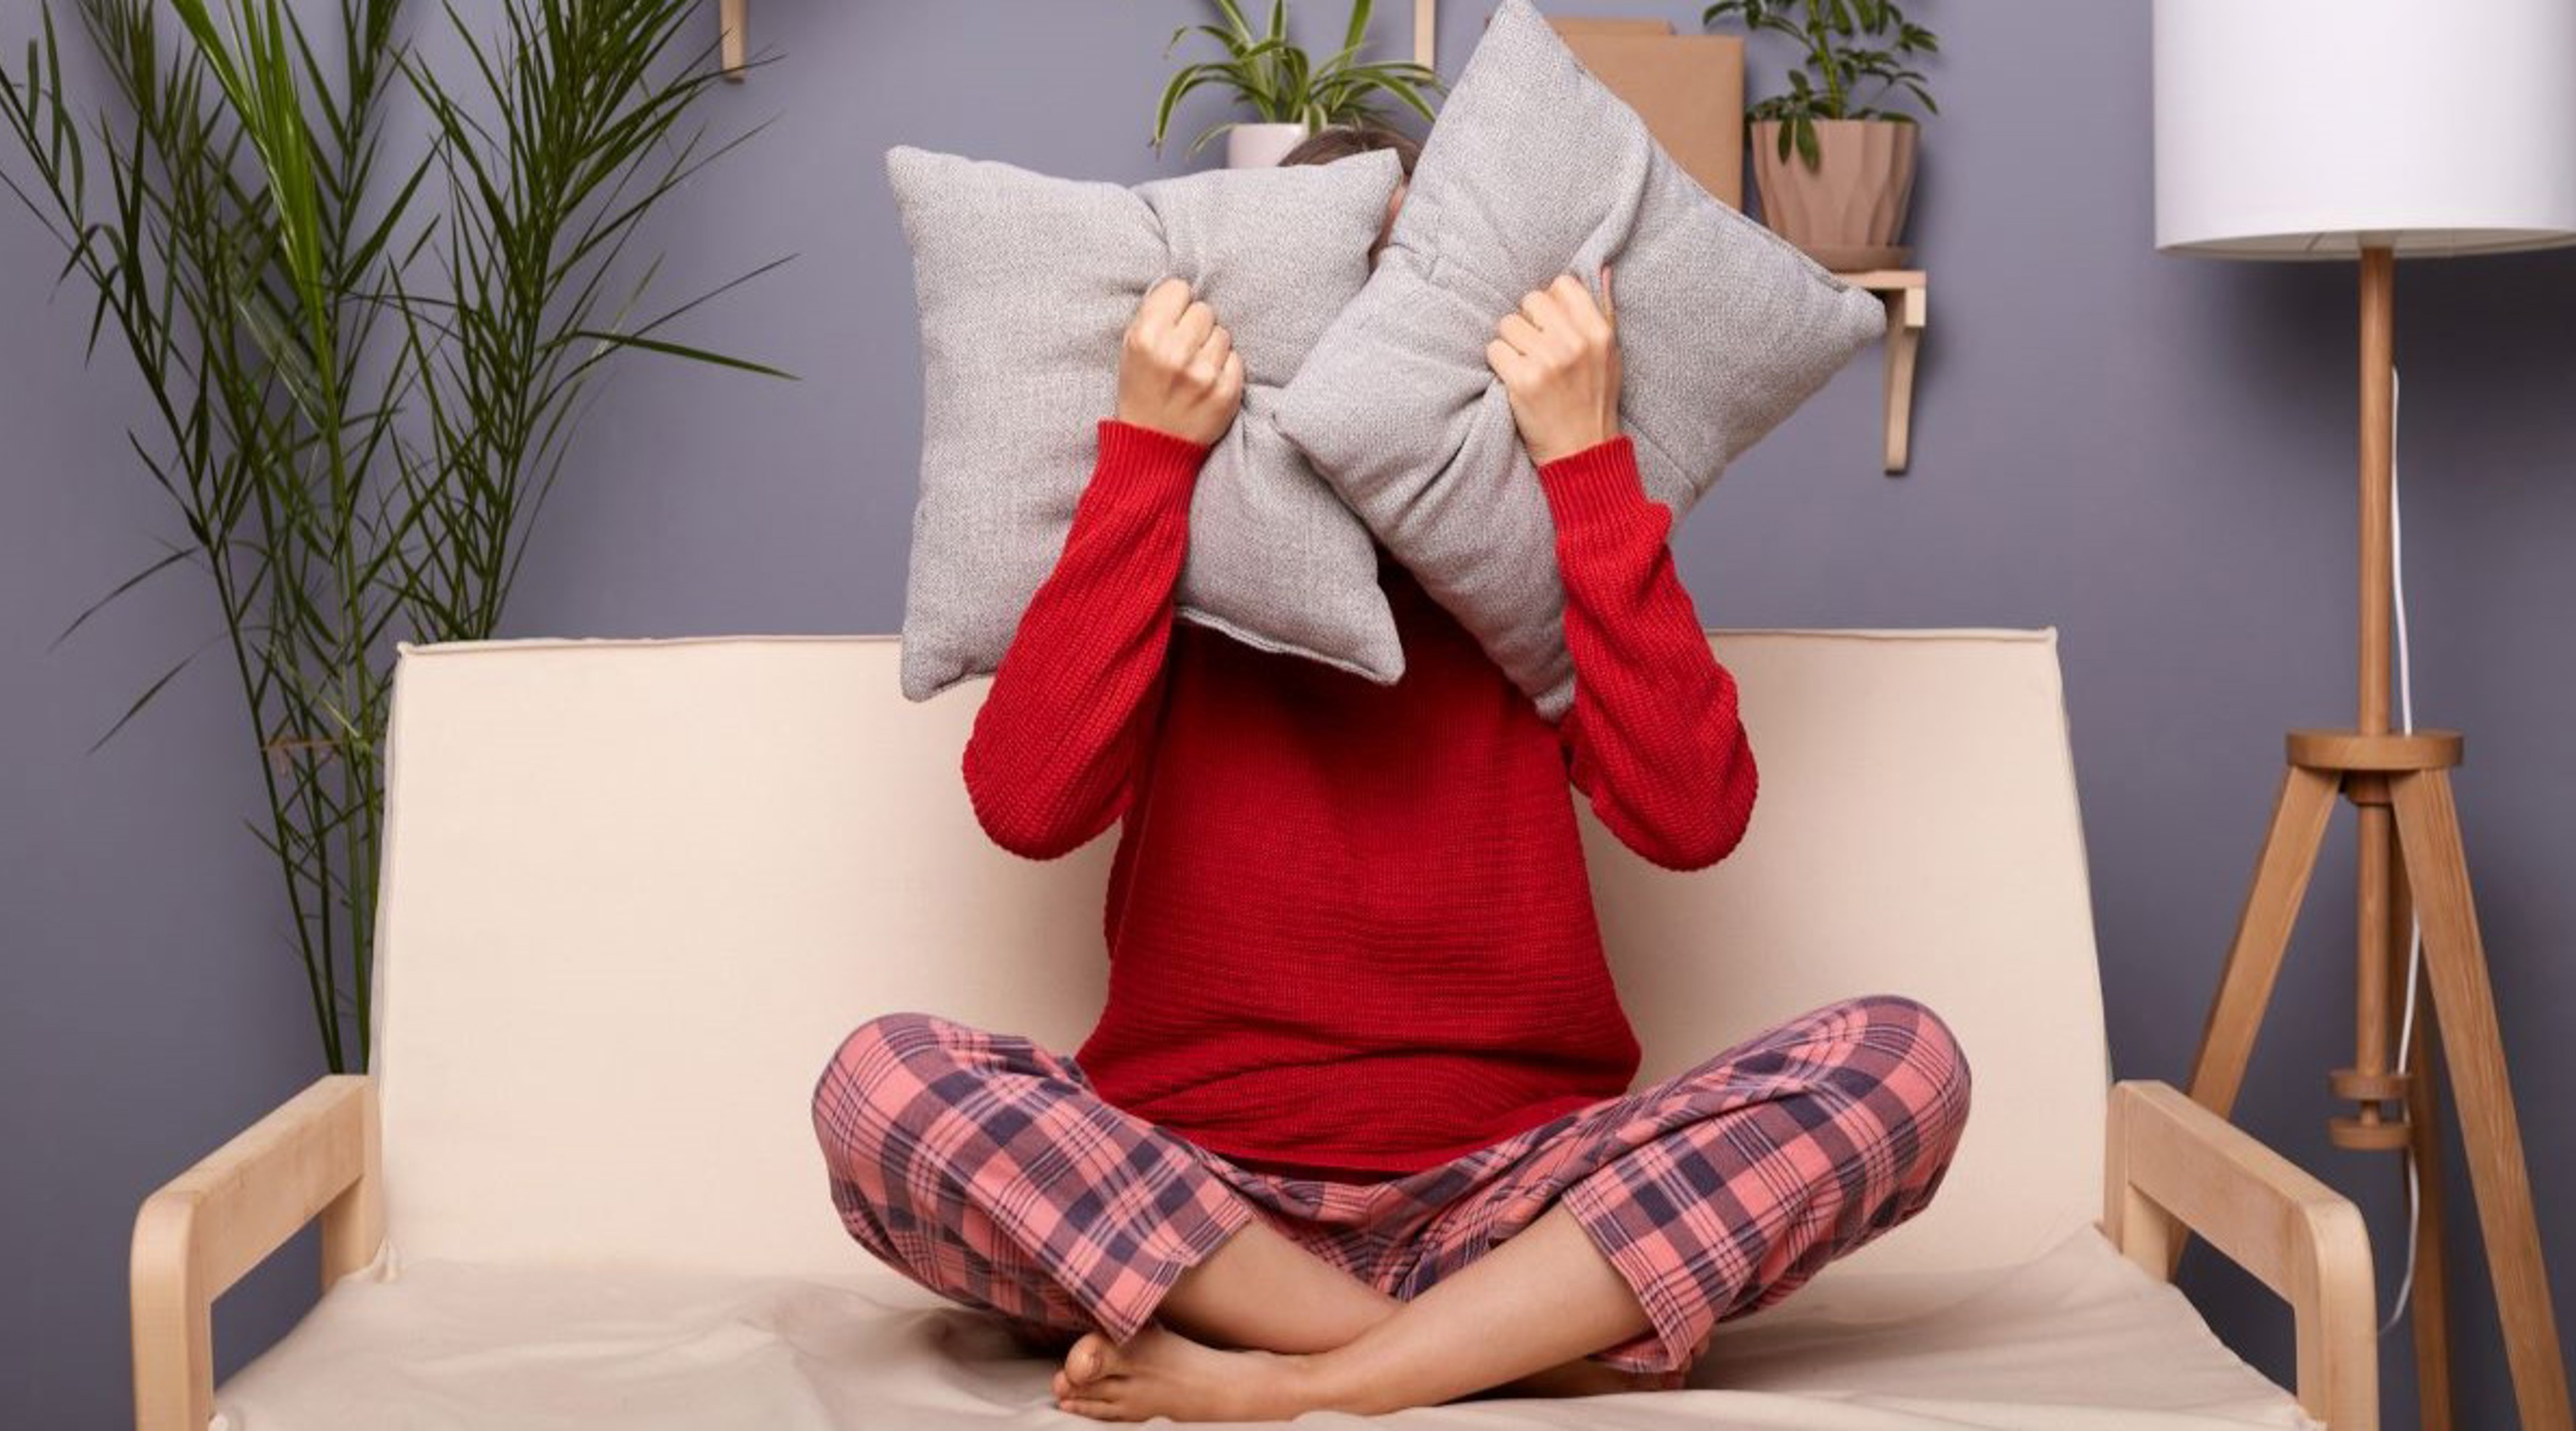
2364, 131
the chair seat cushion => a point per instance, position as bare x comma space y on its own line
2075, 1340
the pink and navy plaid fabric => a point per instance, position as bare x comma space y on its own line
985, 1167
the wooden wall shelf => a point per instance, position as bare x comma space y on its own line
1907, 293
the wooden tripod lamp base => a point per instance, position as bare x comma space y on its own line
2413, 870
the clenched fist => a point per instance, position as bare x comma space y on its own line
1177, 370
1558, 357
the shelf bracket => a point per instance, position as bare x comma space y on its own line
731, 15
1907, 294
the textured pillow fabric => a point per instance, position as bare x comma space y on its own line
1535, 169
1026, 284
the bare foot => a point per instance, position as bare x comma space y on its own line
1586, 1377
1159, 1372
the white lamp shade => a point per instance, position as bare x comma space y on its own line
2313, 128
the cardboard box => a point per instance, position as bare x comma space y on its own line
1688, 88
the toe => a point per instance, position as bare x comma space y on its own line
1089, 1359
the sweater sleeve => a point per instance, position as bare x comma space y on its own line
1652, 737
1048, 761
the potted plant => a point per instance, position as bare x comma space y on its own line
1292, 95
1834, 169
361, 376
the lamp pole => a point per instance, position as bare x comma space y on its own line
2369, 1080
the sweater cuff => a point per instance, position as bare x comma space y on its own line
1136, 456
1596, 484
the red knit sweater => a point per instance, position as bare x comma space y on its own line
1349, 925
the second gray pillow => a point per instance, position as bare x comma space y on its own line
1535, 169
1026, 284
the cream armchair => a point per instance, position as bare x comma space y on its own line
635, 893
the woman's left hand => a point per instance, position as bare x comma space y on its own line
1558, 357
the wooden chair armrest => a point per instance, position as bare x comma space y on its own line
2173, 1163
317, 1155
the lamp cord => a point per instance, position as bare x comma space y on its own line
2415, 931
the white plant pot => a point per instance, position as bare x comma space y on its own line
1259, 146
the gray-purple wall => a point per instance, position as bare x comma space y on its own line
2152, 454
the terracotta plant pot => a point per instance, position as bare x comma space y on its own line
1259, 146
1848, 211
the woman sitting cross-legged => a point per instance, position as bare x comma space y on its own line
1355, 1130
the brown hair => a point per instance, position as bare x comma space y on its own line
1340, 141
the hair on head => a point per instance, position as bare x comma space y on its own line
1340, 141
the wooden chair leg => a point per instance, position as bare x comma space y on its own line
2437, 873
2430, 1302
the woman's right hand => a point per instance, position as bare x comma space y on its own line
1177, 371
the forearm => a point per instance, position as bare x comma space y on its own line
1047, 764
1653, 737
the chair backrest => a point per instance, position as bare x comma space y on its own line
637, 891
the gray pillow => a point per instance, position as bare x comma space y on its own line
1535, 169
1026, 284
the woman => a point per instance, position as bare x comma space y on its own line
1354, 1129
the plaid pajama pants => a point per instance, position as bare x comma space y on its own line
986, 1168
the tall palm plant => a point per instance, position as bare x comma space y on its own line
363, 378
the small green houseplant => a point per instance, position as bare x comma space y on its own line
1844, 198
1292, 95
